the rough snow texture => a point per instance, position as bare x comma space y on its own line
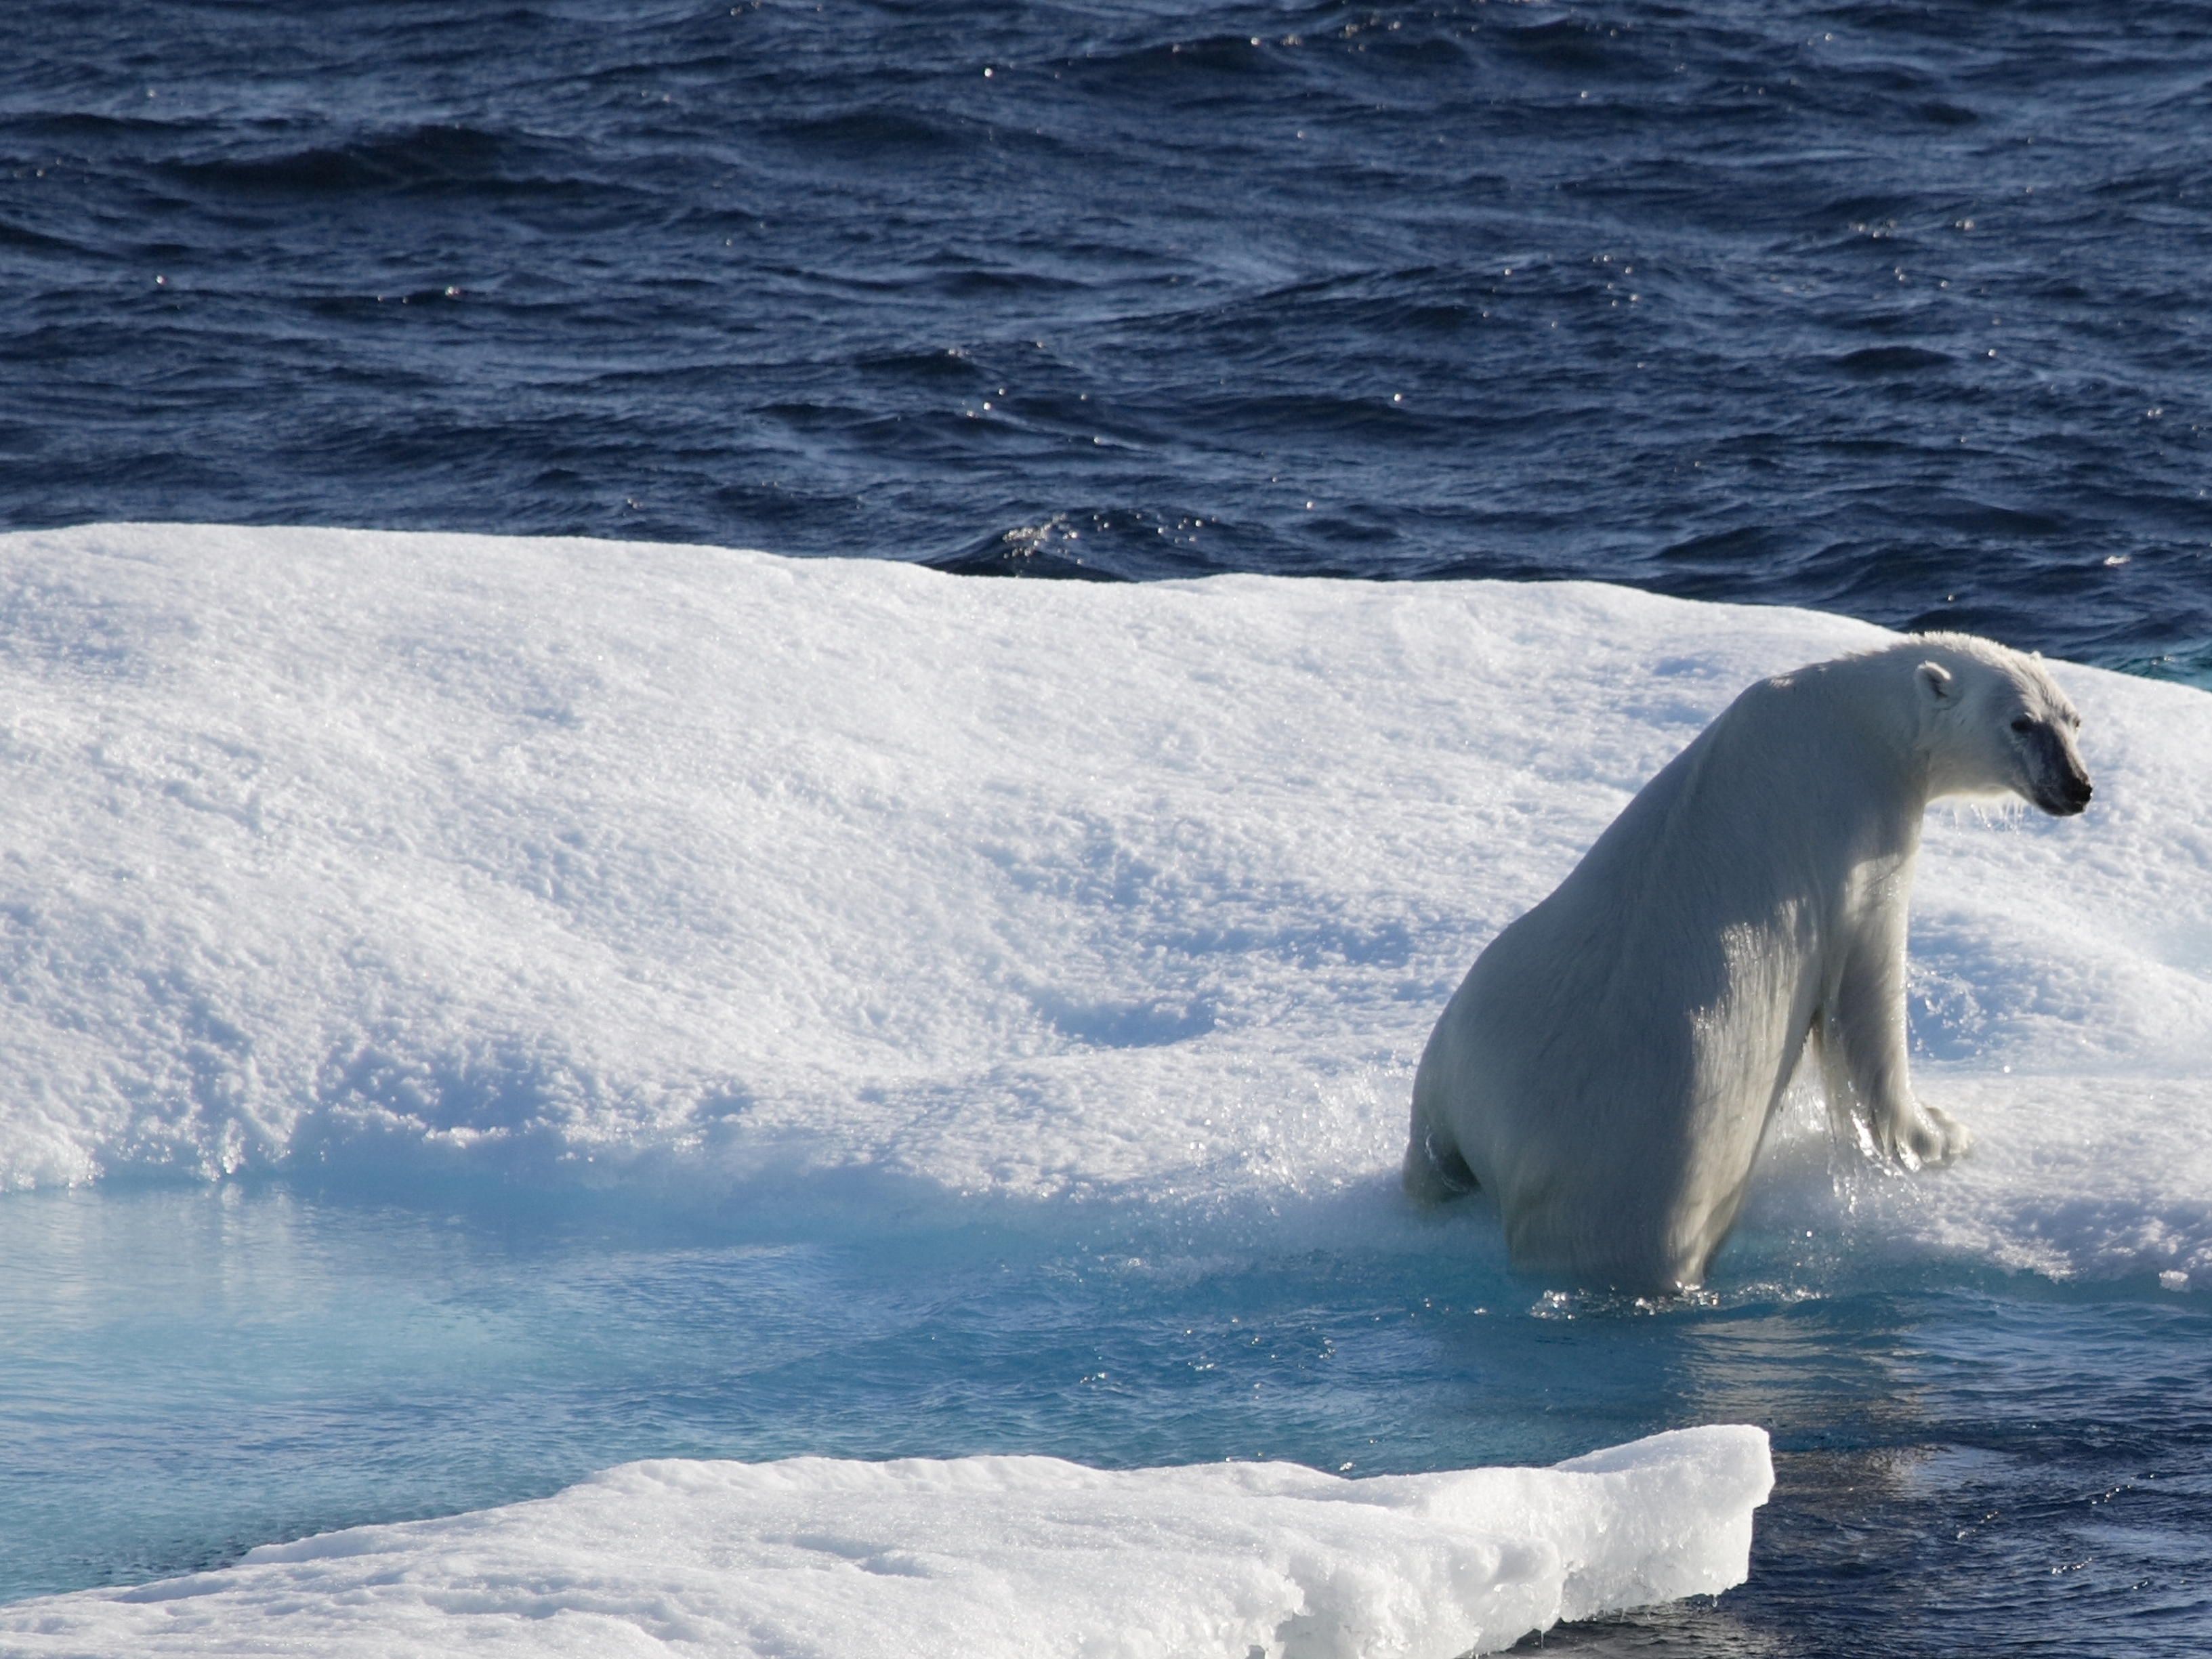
975, 1558
819, 889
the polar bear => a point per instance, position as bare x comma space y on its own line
1609, 1065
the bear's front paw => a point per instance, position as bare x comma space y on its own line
1929, 1137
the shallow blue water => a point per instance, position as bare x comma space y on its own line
1894, 309
1967, 1464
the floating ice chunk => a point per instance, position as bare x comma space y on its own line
973, 1559
835, 894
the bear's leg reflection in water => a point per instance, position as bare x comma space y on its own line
1609, 1065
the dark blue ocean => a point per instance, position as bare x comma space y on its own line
1895, 310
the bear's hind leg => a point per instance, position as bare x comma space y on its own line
1435, 1173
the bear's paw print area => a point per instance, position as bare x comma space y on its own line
1944, 1014
2187, 947
1141, 1024
1993, 994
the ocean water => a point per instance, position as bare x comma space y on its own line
478, 1012
1965, 1464
1892, 310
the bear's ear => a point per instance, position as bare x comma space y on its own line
1935, 680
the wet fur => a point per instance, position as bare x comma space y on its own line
1611, 1062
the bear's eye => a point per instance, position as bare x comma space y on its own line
2023, 724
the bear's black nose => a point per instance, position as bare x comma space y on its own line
2064, 795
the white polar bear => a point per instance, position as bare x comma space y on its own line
1609, 1066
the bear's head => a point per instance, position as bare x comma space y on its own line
1995, 723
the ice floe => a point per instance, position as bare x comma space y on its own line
833, 892
975, 1557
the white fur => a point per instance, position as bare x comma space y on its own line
1611, 1062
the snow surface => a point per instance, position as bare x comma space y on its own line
975, 1558
825, 892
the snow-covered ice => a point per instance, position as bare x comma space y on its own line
825, 897
845, 889
975, 1558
